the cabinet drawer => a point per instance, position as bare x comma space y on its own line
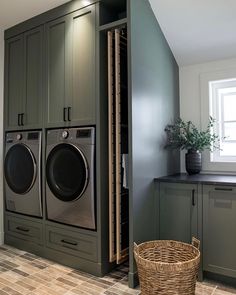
23, 229
73, 243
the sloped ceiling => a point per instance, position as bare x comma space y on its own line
198, 30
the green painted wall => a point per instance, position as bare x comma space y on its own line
154, 102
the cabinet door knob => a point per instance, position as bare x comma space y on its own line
64, 114
72, 243
22, 119
18, 120
69, 114
23, 229
223, 189
193, 197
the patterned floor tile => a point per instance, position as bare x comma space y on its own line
22, 273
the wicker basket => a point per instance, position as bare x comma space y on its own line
167, 267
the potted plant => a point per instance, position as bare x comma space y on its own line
185, 135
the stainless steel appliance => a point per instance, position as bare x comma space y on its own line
70, 197
22, 172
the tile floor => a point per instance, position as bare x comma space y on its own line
24, 273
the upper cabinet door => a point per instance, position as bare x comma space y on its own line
71, 72
33, 88
82, 101
58, 43
14, 77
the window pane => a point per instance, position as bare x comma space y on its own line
229, 102
228, 149
230, 131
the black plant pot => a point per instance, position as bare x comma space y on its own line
193, 162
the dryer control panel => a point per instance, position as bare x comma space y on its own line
29, 136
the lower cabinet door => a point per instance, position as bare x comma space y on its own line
178, 211
219, 229
23, 229
71, 242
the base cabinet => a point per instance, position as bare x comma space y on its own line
178, 211
206, 210
24, 229
219, 230
72, 243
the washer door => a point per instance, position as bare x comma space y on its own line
20, 169
67, 172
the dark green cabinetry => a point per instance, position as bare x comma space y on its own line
203, 206
178, 211
219, 229
74, 49
71, 69
24, 229
23, 81
13, 81
72, 242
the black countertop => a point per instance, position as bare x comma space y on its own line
199, 179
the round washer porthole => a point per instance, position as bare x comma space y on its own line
67, 172
20, 169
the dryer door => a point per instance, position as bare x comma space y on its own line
67, 172
20, 169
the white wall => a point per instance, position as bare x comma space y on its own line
1, 131
190, 91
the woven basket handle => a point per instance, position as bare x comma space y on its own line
196, 243
135, 248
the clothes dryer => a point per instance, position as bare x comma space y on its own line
22, 172
70, 163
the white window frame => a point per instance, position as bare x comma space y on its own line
216, 97
205, 78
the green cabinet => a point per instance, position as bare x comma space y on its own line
178, 211
23, 80
219, 229
71, 72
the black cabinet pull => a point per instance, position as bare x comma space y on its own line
69, 114
22, 119
193, 197
69, 242
223, 189
26, 230
64, 114
18, 119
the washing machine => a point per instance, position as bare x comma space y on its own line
22, 172
70, 175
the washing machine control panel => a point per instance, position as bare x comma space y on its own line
19, 136
65, 134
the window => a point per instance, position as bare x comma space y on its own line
222, 107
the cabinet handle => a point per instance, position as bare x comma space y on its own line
22, 229
69, 114
18, 119
193, 197
22, 119
69, 242
223, 189
64, 114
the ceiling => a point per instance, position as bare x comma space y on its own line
13, 12
198, 31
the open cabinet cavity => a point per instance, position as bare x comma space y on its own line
118, 144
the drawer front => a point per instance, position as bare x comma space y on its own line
24, 229
73, 243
